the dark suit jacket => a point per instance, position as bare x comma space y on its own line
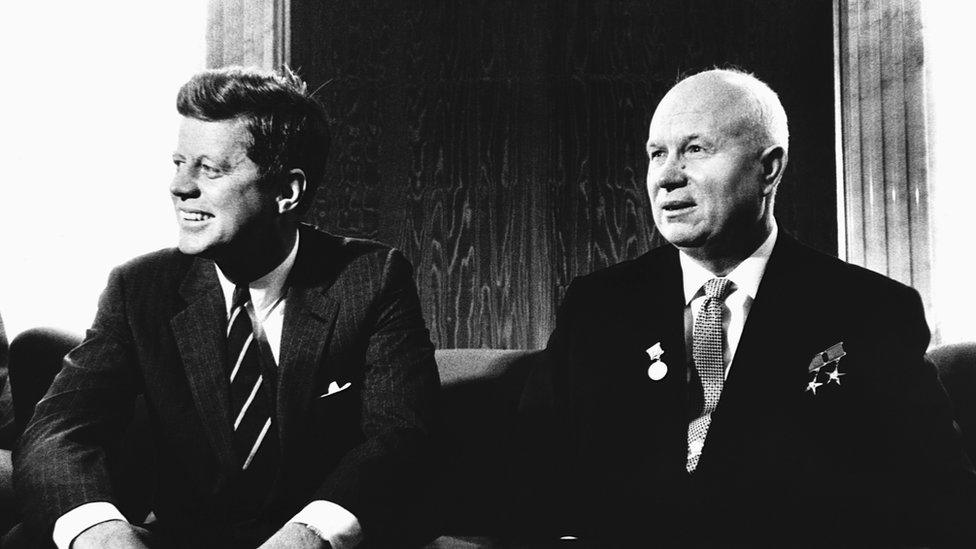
352, 315
875, 459
8, 433
8, 430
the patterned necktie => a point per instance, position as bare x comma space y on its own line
250, 392
709, 357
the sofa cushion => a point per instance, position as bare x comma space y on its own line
481, 390
956, 364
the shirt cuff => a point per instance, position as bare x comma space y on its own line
331, 522
81, 518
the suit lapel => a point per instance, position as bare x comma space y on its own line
199, 333
660, 302
310, 316
769, 369
666, 319
654, 314
781, 329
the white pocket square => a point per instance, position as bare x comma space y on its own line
335, 388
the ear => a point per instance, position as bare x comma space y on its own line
773, 161
291, 190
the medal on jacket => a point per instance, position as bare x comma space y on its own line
658, 369
828, 357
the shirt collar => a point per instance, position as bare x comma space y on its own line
267, 290
746, 275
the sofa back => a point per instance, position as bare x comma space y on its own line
956, 364
481, 475
483, 472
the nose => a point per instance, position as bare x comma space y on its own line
668, 174
184, 185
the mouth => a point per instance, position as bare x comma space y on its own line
194, 216
677, 207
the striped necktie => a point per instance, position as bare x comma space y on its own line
250, 390
709, 356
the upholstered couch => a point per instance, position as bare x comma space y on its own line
479, 498
956, 364
476, 494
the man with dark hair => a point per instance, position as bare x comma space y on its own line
286, 125
288, 374
736, 387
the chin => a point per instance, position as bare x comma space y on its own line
191, 246
680, 236
188, 249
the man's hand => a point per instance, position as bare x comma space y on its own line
112, 534
294, 534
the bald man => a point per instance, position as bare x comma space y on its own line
735, 386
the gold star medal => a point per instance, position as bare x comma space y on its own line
812, 386
835, 374
828, 357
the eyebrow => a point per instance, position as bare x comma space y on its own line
224, 164
230, 162
684, 139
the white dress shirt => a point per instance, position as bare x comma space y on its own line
745, 278
330, 521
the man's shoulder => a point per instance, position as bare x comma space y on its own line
320, 241
633, 271
156, 263
608, 287
149, 281
840, 277
325, 257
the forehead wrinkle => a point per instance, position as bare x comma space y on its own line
700, 121
733, 113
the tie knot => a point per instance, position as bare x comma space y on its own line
241, 297
718, 288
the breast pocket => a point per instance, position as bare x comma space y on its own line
335, 388
336, 411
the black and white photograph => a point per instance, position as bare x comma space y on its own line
487, 274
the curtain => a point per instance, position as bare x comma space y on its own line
884, 194
253, 33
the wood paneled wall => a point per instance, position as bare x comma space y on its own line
500, 143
